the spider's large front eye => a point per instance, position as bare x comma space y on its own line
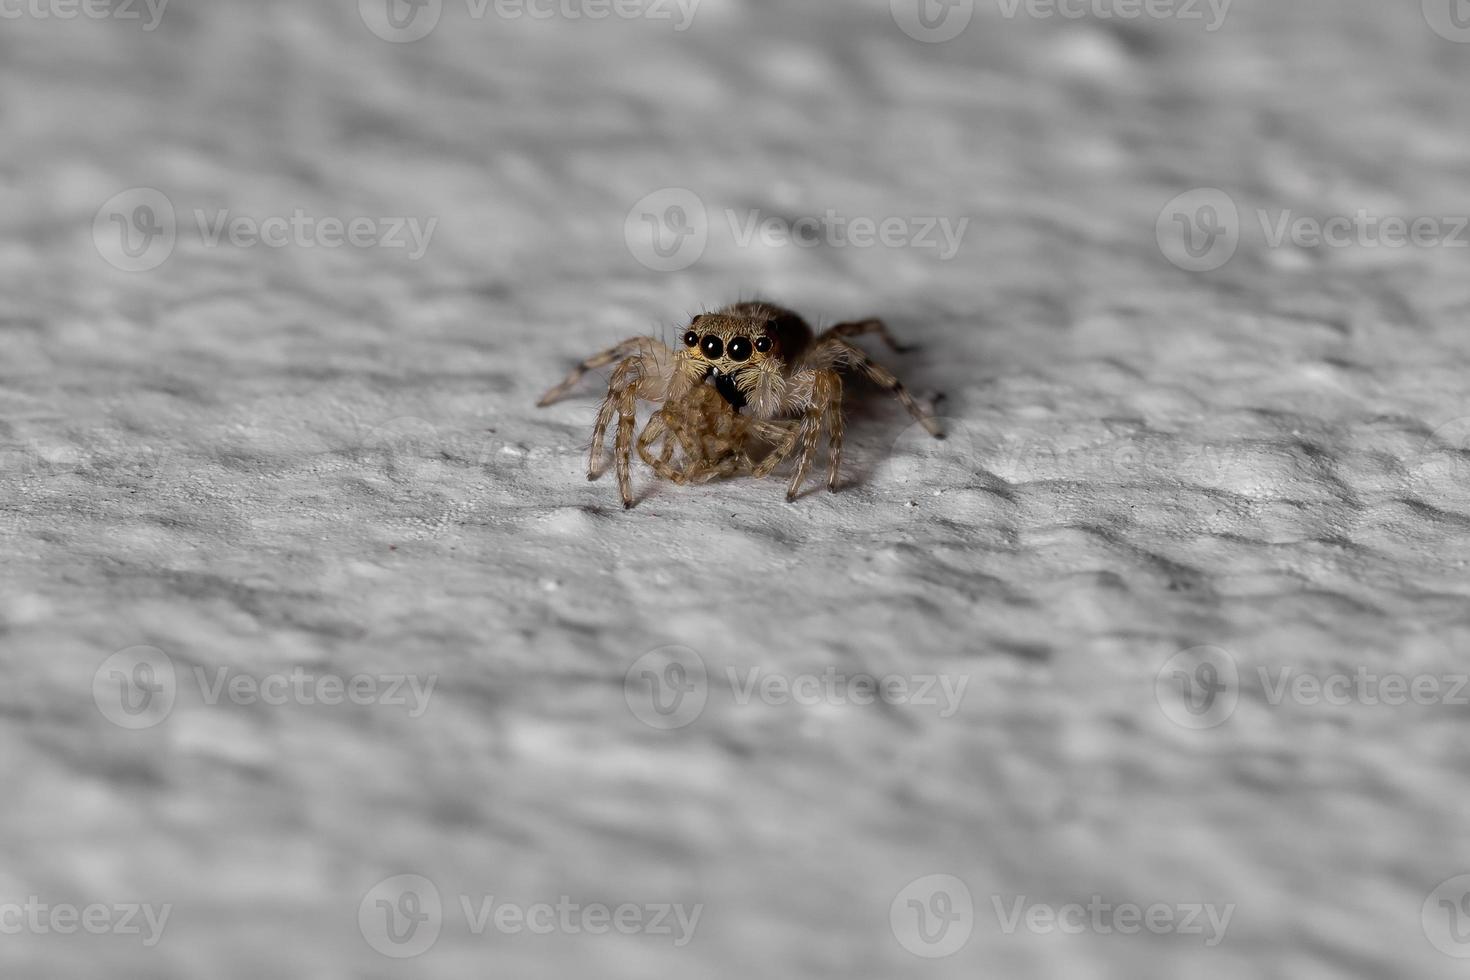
691, 338
763, 344
712, 347
740, 349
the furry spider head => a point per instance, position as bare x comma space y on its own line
726, 344
743, 337
740, 343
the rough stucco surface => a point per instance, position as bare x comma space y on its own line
260, 459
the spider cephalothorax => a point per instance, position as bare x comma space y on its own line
777, 383
739, 346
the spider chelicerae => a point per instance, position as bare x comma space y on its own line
748, 377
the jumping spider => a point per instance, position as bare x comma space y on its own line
750, 374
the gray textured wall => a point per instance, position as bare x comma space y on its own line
1174, 484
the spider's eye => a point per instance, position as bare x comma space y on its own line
763, 344
739, 349
691, 338
712, 347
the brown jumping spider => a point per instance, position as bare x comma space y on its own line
753, 357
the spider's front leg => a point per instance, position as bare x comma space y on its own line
857, 328
826, 405
622, 400
883, 378
631, 346
647, 372
822, 407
